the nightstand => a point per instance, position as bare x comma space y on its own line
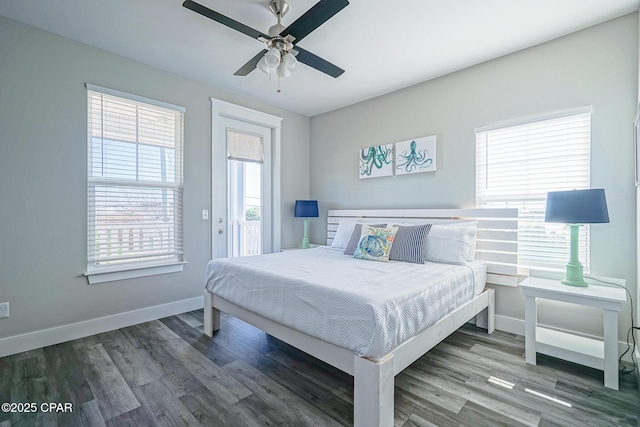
596, 354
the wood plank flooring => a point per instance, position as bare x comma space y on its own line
167, 373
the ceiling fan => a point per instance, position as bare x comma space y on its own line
280, 54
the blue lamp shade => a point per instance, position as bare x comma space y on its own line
306, 209
577, 207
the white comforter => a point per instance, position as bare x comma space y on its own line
368, 307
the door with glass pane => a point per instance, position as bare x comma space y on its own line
247, 195
244, 193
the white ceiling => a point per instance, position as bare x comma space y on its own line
382, 45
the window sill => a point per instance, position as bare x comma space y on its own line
132, 272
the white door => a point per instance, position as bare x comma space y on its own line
242, 181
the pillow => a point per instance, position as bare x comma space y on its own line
375, 243
343, 233
410, 244
452, 243
471, 255
355, 237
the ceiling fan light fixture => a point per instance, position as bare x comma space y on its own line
283, 70
263, 66
290, 61
272, 57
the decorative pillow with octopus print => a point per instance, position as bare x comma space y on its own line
355, 237
375, 243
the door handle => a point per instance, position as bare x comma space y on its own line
220, 231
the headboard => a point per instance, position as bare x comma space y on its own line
496, 244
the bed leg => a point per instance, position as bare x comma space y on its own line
211, 315
491, 312
486, 318
373, 392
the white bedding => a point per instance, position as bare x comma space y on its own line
367, 307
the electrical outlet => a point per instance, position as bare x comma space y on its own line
205, 214
4, 310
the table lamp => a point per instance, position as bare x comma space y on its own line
306, 209
576, 207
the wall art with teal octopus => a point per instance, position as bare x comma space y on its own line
376, 161
416, 155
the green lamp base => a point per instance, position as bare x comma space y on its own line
574, 268
578, 283
574, 275
305, 239
305, 243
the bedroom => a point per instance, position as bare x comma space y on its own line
42, 79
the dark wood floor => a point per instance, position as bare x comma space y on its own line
167, 373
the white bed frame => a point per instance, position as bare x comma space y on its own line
373, 399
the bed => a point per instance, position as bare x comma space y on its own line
368, 319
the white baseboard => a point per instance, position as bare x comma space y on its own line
516, 326
60, 334
510, 325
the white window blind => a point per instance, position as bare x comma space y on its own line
516, 165
244, 147
134, 181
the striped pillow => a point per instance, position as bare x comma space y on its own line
355, 237
410, 244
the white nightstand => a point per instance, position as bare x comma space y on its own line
574, 348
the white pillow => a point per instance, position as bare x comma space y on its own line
452, 243
343, 233
471, 255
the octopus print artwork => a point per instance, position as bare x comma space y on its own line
376, 161
416, 155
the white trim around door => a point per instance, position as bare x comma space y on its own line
221, 112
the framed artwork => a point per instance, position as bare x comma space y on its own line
416, 155
636, 151
376, 161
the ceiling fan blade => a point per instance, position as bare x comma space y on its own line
251, 65
318, 63
314, 17
224, 20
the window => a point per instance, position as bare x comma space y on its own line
134, 185
518, 163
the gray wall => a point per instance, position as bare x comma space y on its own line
43, 138
597, 66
